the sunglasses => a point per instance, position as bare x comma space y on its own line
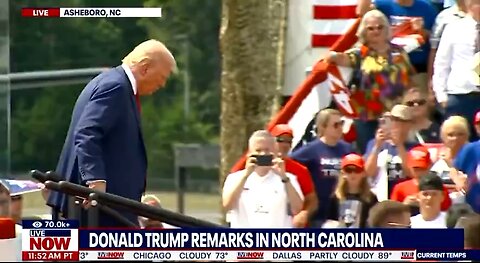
372, 28
352, 169
414, 103
284, 140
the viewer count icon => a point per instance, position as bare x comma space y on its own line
51, 224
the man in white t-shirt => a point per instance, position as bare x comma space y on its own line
262, 195
430, 197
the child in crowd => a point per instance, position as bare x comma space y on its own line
431, 196
352, 198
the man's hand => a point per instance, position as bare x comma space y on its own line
250, 165
364, 6
396, 138
45, 192
300, 220
459, 179
380, 137
279, 167
97, 185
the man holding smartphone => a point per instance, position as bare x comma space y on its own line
284, 136
263, 195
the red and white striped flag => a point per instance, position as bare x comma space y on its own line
331, 20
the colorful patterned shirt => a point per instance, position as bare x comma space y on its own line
378, 83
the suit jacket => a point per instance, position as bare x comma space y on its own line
104, 141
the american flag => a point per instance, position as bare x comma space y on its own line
331, 20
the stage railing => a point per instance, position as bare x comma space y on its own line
104, 202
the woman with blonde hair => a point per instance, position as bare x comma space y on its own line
352, 199
454, 133
322, 157
381, 73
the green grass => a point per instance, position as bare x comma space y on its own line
205, 206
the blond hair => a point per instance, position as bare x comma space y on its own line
341, 190
151, 199
362, 28
149, 50
322, 119
455, 121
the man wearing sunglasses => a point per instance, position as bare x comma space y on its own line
424, 129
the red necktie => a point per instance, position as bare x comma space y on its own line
139, 105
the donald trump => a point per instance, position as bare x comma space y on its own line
104, 147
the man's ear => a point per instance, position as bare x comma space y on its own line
144, 65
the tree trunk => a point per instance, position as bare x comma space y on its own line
251, 42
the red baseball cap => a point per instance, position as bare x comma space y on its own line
282, 129
419, 157
476, 120
353, 159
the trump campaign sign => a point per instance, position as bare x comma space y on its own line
47, 240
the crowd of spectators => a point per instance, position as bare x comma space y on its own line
416, 159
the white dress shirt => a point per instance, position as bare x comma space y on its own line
131, 78
133, 82
454, 63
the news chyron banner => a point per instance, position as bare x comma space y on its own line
46, 240
62, 241
91, 12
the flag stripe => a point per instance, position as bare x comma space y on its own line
331, 19
334, 12
324, 40
326, 31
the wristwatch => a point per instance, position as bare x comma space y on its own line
285, 179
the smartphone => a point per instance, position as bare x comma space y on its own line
385, 124
264, 160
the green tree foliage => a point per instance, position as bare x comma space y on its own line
40, 117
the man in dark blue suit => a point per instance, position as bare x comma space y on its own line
104, 148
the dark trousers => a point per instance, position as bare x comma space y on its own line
465, 105
365, 132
